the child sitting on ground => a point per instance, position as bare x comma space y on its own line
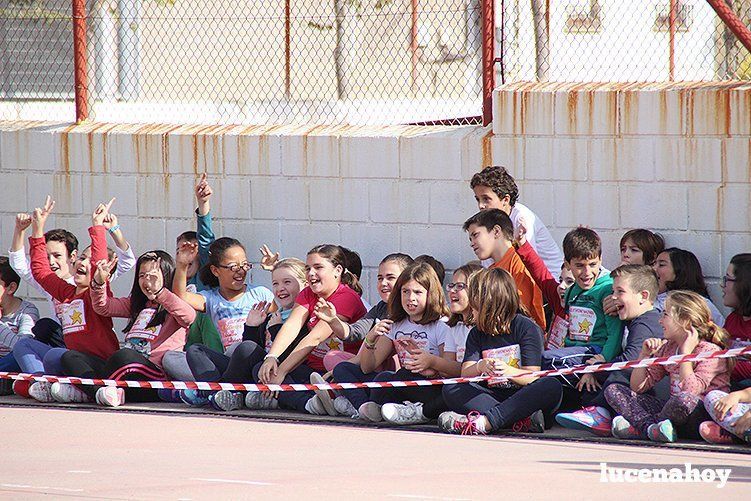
688, 329
736, 294
491, 235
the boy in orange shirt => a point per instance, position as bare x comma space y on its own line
491, 235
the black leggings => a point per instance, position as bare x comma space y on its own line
430, 396
124, 364
505, 406
49, 332
209, 365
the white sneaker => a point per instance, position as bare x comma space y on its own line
344, 407
110, 396
256, 400
370, 411
67, 393
323, 395
407, 413
40, 391
315, 406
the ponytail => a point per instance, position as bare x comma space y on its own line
350, 279
338, 257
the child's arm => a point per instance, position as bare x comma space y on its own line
185, 255
102, 303
644, 378
183, 313
40, 265
204, 232
377, 347
726, 403
531, 297
316, 336
288, 333
541, 275
23, 221
612, 347
16, 255
445, 366
696, 380
126, 260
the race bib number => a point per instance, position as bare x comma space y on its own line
511, 355
231, 330
557, 333
582, 323
73, 316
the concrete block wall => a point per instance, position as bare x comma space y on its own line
674, 158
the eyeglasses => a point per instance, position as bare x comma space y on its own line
458, 286
234, 268
727, 279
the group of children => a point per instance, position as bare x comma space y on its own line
524, 306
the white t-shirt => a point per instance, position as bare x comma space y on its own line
428, 337
229, 316
456, 339
539, 238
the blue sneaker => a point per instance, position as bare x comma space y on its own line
593, 419
167, 395
195, 398
662, 432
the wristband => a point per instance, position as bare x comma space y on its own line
271, 356
158, 292
114, 229
369, 345
96, 284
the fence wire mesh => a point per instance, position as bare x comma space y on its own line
341, 61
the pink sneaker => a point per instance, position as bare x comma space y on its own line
593, 419
714, 433
621, 428
110, 396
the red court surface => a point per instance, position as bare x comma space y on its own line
64, 453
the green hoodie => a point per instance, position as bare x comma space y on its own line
588, 323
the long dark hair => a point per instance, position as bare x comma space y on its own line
336, 256
742, 285
688, 274
216, 253
138, 299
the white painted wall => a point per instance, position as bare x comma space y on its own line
598, 155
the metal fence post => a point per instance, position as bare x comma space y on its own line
732, 21
488, 60
79, 60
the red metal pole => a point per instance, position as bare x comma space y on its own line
79, 60
488, 60
414, 45
287, 49
671, 64
732, 21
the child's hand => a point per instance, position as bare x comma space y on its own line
691, 342
269, 369
726, 403
325, 310
588, 382
100, 213
257, 314
186, 253
651, 346
379, 329
743, 425
154, 281
276, 319
109, 221
39, 217
419, 361
104, 270
23, 221
610, 306
597, 359
203, 194
268, 258
520, 233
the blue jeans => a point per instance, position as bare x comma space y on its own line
558, 358
9, 364
347, 372
34, 357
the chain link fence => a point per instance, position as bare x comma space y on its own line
341, 61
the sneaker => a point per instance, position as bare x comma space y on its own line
6, 387
344, 407
257, 400
662, 432
459, 424
621, 428
110, 396
323, 395
195, 398
535, 423
403, 414
167, 395
227, 400
40, 392
315, 406
370, 411
714, 433
21, 387
596, 420
67, 393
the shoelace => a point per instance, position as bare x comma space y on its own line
468, 427
522, 425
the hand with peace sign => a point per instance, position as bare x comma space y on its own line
39, 217
101, 213
104, 270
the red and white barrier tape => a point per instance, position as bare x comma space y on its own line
188, 385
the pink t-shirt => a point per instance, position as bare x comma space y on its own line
348, 304
740, 334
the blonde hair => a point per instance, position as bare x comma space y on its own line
295, 266
494, 295
469, 270
425, 275
690, 309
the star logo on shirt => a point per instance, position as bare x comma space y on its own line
333, 344
513, 362
76, 318
584, 326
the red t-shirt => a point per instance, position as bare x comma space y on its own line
348, 304
740, 334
